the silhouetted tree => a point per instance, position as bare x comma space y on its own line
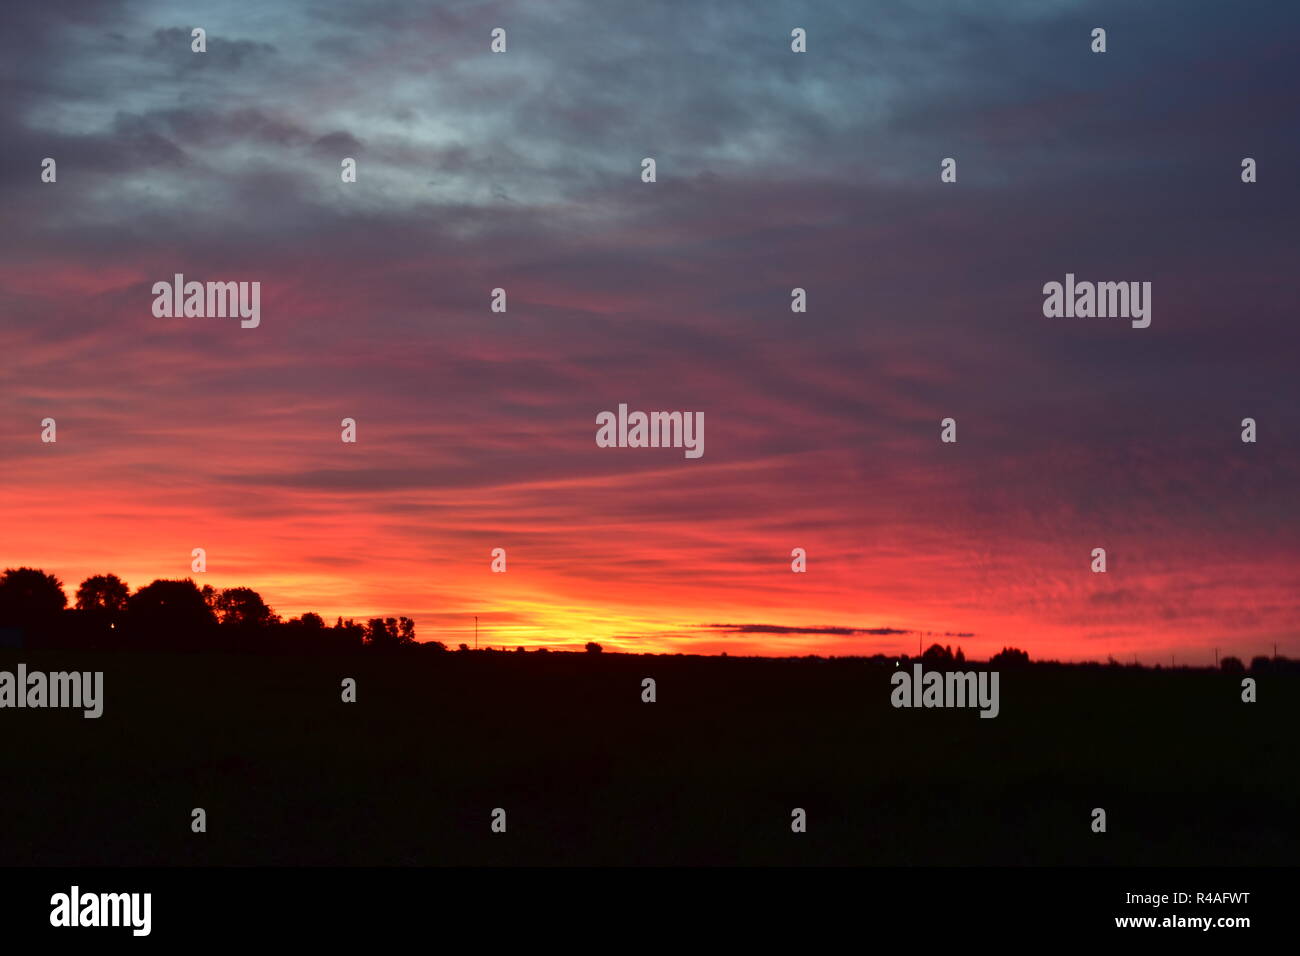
937, 654
103, 592
1010, 657
347, 635
1232, 665
382, 632
389, 632
243, 607
26, 592
305, 634
1260, 663
593, 647
170, 614
99, 615
31, 601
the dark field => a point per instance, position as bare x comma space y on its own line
588, 774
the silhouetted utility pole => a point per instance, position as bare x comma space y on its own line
475, 632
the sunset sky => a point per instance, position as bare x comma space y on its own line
775, 170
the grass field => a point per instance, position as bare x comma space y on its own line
589, 774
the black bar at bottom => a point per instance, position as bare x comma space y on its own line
617, 906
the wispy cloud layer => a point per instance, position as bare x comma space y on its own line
521, 172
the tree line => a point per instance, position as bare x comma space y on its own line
172, 615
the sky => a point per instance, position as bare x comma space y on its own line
775, 170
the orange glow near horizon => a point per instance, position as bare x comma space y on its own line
631, 585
